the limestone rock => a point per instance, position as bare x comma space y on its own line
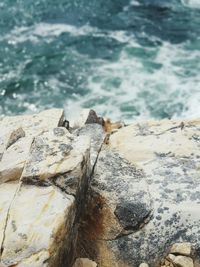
183, 261
181, 249
7, 192
170, 257
87, 116
97, 136
169, 154
44, 177
84, 262
16, 137
38, 225
35, 124
144, 265
14, 159
9, 137
119, 204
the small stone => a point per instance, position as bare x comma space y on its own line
183, 261
181, 249
171, 257
167, 263
83, 262
144, 265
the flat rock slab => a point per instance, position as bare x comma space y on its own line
169, 154
16, 137
38, 224
44, 176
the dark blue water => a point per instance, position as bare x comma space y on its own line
127, 59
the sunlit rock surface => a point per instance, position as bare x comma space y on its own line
169, 154
43, 179
87, 193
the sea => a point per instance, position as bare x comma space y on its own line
127, 59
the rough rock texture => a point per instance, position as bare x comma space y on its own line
118, 204
181, 249
67, 198
43, 181
169, 154
84, 262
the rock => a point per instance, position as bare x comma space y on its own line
16, 137
169, 154
39, 223
14, 159
170, 257
181, 249
144, 265
44, 178
87, 116
35, 124
97, 136
84, 262
118, 204
9, 137
183, 261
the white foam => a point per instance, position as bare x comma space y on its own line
50, 31
163, 89
191, 3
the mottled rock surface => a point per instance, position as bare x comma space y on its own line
44, 172
169, 153
90, 194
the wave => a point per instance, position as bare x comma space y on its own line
191, 3
49, 31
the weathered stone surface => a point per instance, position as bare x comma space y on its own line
183, 261
84, 262
14, 159
97, 136
118, 204
38, 224
16, 137
7, 192
59, 158
171, 257
169, 154
181, 249
144, 265
9, 137
43, 181
35, 124
87, 116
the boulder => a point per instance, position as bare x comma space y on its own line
16, 137
183, 261
169, 153
181, 249
43, 182
118, 204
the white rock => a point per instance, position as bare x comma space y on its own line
84, 262
35, 124
7, 192
16, 136
183, 261
169, 154
144, 265
171, 257
9, 137
39, 223
181, 248
14, 159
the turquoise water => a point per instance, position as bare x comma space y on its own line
127, 59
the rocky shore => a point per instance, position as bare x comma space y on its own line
88, 192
